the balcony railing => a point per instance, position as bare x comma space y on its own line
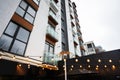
52, 32
54, 5
53, 16
50, 58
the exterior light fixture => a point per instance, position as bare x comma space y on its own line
88, 66
113, 67
14, 57
88, 60
19, 65
80, 66
99, 60
97, 66
110, 60
105, 66
76, 60
72, 66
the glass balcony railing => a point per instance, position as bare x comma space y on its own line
54, 5
52, 32
53, 16
50, 58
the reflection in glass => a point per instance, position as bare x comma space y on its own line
20, 11
11, 29
31, 11
5, 42
18, 47
23, 5
29, 18
23, 35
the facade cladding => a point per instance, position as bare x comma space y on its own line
35, 31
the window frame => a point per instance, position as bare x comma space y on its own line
14, 38
26, 12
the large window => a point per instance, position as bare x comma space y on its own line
26, 11
14, 39
49, 47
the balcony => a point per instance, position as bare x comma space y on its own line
53, 5
50, 58
52, 34
53, 18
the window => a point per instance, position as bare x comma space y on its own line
89, 45
14, 39
49, 47
26, 11
63, 46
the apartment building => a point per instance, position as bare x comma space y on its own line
34, 32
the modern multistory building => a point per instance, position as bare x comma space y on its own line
34, 32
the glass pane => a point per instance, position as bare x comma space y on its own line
11, 29
23, 5
23, 35
29, 18
31, 11
51, 49
5, 42
18, 47
20, 11
46, 47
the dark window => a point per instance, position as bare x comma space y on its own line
89, 45
26, 11
63, 46
14, 39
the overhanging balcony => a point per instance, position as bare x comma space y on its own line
53, 18
53, 5
50, 58
52, 34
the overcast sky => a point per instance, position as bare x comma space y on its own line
100, 22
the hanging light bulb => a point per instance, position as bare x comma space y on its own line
14, 57
28, 66
72, 66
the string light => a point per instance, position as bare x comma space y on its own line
28, 66
14, 57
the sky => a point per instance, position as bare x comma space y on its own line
100, 22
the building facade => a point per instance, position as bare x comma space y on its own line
34, 32
89, 48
